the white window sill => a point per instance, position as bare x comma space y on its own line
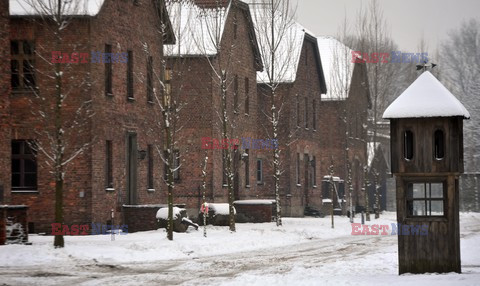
24, 191
150, 190
110, 189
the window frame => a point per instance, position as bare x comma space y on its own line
259, 171
150, 165
409, 199
130, 77
306, 114
167, 82
23, 156
247, 96
314, 115
108, 164
297, 171
298, 111
235, 94
150, 79
108, 72
20, 58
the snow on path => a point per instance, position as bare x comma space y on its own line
302, 252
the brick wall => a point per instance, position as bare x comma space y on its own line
303, 140
141, 218
199, 118
4, 104
253, 213
125, 26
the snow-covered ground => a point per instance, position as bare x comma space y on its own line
305, 251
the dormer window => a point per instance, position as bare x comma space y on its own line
408, 145
439, 144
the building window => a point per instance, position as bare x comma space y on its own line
130, 94
314, 171
247, 167
408, 145
314, 119
167, 81
297, 169
224, 168
150, 79
109, 164
235, 93
247, 96
108, 71
150, 167
259, 171
306, 113
426, 199
24, 166
22, 65
298, 111
439, 144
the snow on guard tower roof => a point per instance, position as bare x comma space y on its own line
426, 97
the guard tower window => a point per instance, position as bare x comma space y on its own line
425, 199
408, 145
439, 144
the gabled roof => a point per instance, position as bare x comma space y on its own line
79, 8
288, 48
337, 67
426, 97
288, 51
73, 8
196, 29
199, 30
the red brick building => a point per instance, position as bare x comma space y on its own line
299, 90
113, 95
343, 115
194, 62
4, 104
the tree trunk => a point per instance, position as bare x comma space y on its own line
58, 240
59, 144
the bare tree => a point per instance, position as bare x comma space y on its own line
207, 36
372, 40
277, 34
63, 119
167, 99
460, 66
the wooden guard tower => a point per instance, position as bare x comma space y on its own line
426, 131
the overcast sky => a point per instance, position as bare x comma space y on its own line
407, 19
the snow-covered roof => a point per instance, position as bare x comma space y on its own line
426, 97
337, 67
72, 8
198, 31
288, 45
